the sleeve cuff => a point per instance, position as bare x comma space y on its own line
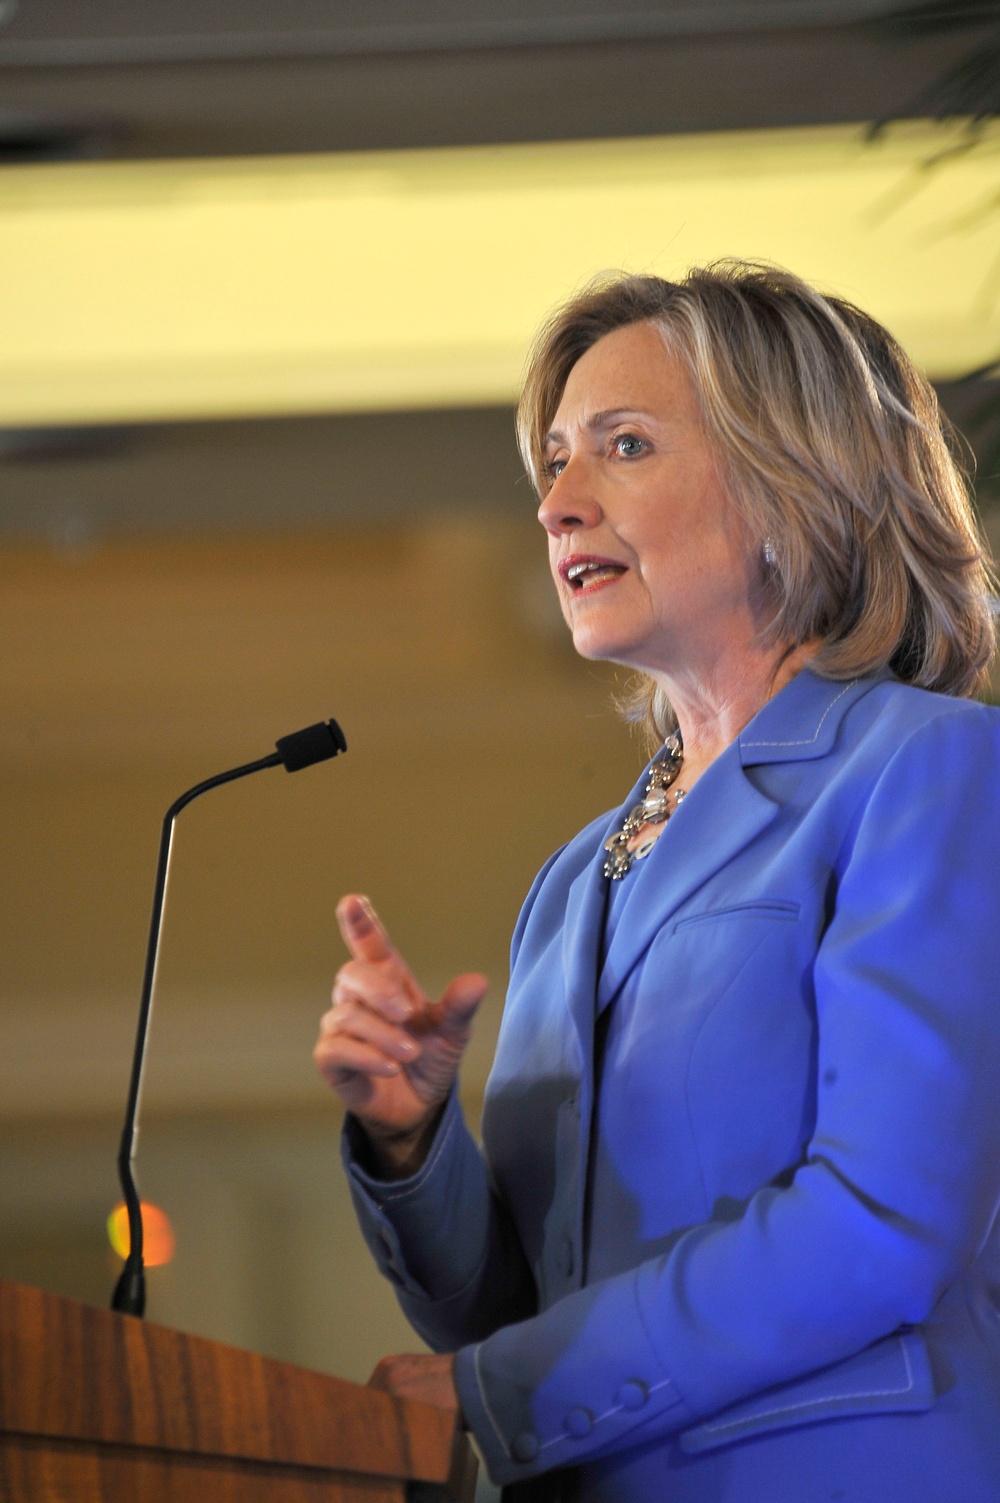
356, 1156
428, 1233
566, 1386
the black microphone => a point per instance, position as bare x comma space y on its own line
301, 749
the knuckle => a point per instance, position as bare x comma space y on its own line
346, 979
364, 983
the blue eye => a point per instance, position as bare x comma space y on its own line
628, 445
553, 468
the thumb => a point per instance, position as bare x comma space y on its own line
460, 1000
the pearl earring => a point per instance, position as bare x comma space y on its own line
770, 553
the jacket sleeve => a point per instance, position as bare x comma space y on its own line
444, 1237
899, 1184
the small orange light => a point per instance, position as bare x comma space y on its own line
158, 1241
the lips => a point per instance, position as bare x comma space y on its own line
583, 572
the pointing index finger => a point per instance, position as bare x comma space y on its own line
368, 941
362, 929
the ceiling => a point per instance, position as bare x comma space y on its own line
136, 79
119, 78
43, 32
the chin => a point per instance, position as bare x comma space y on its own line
599, 647
587, 643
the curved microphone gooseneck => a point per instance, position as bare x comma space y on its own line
301, 749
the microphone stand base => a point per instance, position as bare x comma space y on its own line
129, 1297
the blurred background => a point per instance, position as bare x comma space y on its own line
268, 274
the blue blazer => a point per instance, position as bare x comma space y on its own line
754, 1261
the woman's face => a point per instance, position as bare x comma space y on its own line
651, 562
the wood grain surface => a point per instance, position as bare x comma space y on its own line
44, 1471
82, 1390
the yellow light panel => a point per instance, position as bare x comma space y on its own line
146, 291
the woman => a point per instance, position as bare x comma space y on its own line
729, 1234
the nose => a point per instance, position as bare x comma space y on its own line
570, 504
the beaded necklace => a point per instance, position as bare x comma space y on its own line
656, 806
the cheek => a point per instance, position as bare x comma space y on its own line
703, 560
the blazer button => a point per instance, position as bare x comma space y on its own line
632, 1394
579, 1422
524, 1446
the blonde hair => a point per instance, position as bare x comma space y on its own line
835, 452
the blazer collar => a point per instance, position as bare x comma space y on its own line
802, 722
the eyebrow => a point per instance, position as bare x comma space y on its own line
598, 422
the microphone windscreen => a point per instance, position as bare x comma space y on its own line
315, 744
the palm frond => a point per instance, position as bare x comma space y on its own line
968, 91
932, 17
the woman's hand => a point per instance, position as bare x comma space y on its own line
390, 1053
428, 1379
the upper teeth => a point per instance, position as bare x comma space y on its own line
575, 570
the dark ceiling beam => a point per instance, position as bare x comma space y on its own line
108, 34
592, 90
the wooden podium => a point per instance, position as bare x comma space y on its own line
103, 1408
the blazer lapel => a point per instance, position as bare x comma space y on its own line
583, 941
711, 825
721, 814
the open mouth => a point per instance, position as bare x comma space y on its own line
586, 573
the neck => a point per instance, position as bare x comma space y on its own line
712, 708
